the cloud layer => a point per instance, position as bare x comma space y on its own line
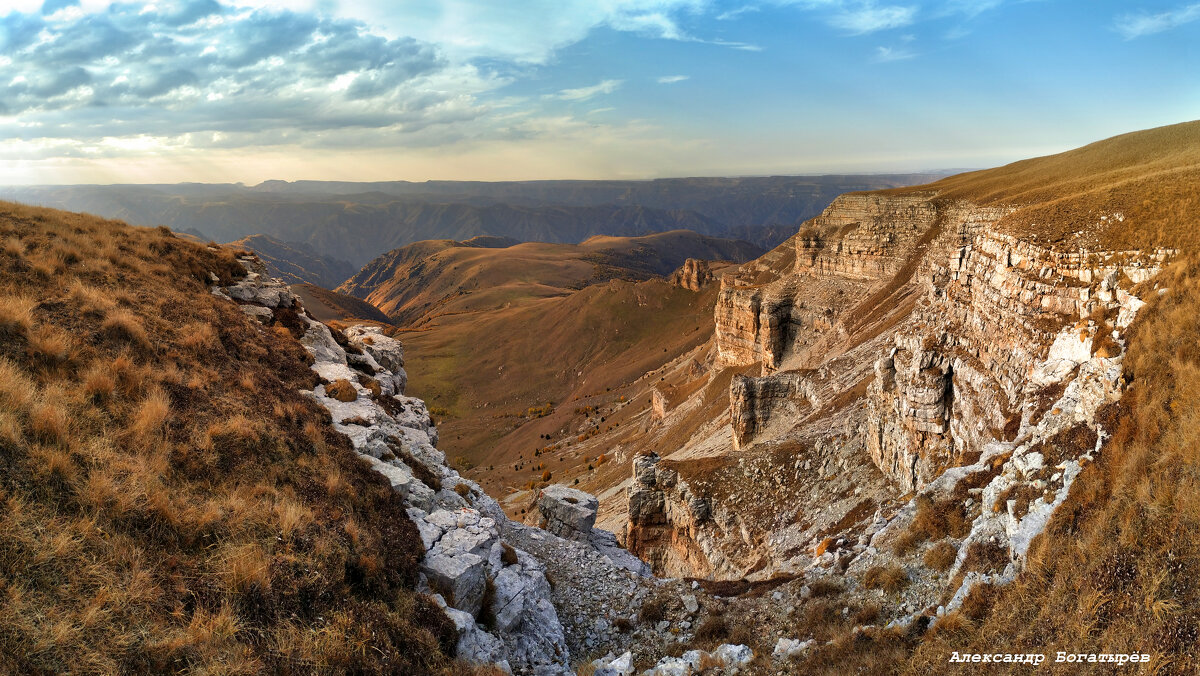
193, 79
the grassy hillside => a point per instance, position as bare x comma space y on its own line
1149, 177
422, 282
485, 370
171, 502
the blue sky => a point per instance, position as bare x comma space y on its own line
249, 90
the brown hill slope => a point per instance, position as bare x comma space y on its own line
171, 502
422, 281
328, 306
1131, 191
484, 371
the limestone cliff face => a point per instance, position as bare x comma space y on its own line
957, 375
666, 521
755, 402
865, 237
902, 331
856, 245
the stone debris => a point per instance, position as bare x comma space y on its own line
724, 659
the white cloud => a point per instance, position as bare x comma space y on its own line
1144, 23
869, 18
672, 79
585, 93
886, 54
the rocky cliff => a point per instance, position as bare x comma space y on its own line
523, 600
905, 343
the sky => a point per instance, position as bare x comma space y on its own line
94, 91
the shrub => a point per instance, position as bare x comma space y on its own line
342, 390
508, 555
933, 521
890, 579
713, 628
653, 610
940, 556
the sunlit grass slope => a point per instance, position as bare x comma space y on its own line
169, 502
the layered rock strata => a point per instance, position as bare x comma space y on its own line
958, 373
693, 275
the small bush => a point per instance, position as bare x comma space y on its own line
890, 579
653, 610
371, 384
940, 556
508, 555
462, 489
713, 628
342, 390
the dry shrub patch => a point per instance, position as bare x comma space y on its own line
890, 579
342, 390
934, 520
154, 516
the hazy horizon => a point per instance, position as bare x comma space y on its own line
96, 92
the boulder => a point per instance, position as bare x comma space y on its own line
569, 513
614, 666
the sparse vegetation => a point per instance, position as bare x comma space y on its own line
342, 390
157, 515
1126, 582
933, 521
940, 556
890, 579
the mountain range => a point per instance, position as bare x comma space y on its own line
356, 222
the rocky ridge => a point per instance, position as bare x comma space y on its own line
524, 599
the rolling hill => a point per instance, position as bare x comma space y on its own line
422, 281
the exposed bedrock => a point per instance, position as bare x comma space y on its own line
754, 402
906, 333
958, 372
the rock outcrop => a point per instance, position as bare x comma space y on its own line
693, 275
497, 595
958, 372
901, 332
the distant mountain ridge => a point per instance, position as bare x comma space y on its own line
296, 262
356, 222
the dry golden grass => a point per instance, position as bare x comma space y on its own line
169, 502
1150, 177
342, 390
940, 556
16, 316
123, 325
890, 579
933, 521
